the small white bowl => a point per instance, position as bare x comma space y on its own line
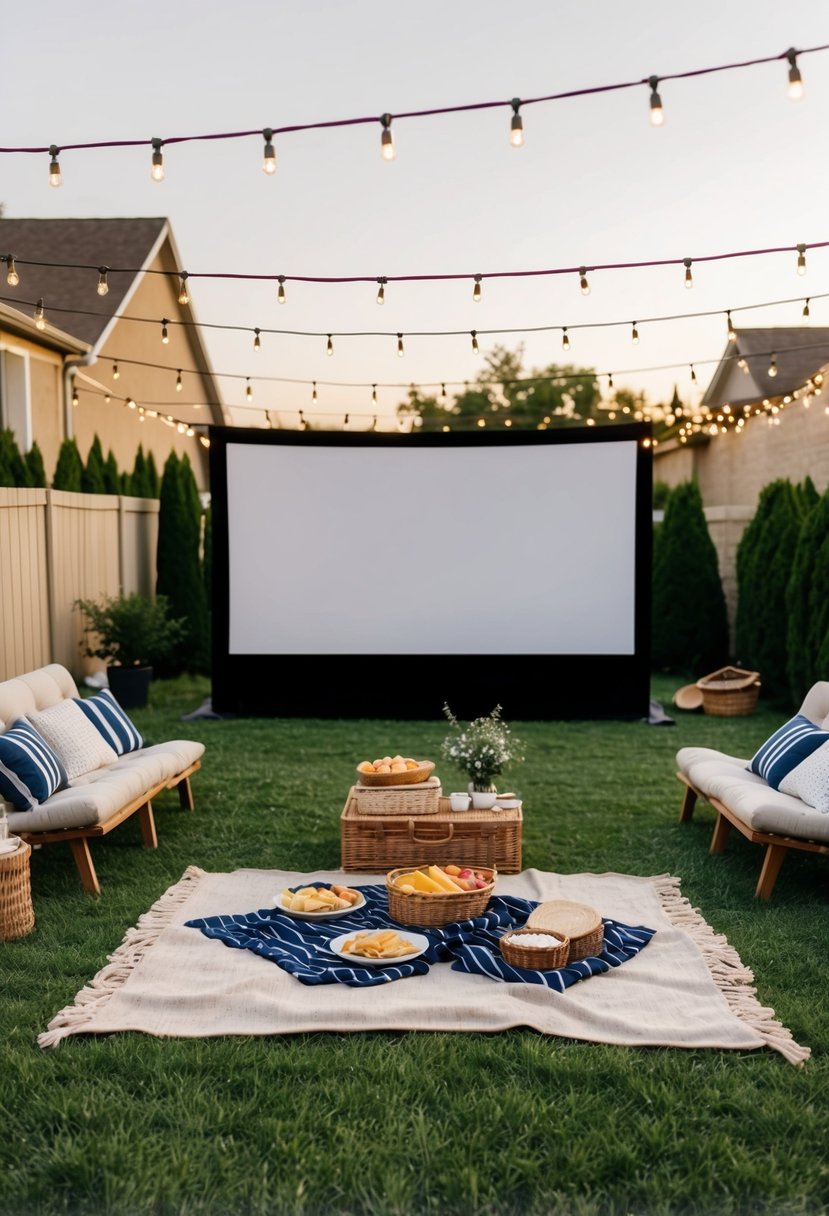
507, 804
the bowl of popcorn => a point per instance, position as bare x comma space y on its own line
394, 770
535, 949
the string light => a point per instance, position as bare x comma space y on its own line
609, 380
795, 79
103, 285
329, 349
374, 394
280, 291
55, 175
130, 403
732, 333
400, 350
12, 277
179, 384
183, 290
74, 396
516, 127
257, 342
115, 372
657, 117
742, 362
314, 394
165, 336
693, 375
40, 316
565, 339
476, 290
801, 259
689, 278
269, 156
387, 149
248, 390
583, 283
772, 369
634, 334
806, 313
157, 163
381, 290
443, 392
345, 420
475, 347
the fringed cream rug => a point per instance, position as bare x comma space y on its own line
687, 988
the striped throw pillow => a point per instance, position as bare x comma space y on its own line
107, 716
30, 772
788, 747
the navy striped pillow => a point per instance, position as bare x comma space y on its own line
789, 746
30, 771
108, 717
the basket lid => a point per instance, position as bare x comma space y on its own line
729, 679
688, 697
565, 917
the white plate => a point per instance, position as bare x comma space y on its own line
420, 943
321, 915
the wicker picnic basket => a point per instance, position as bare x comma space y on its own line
580, 923
730, 692
536, 958
17, 917
420, 799
431, 911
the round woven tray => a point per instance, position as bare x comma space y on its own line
534, 958
412, 776
579, 922
17, 917
433, 911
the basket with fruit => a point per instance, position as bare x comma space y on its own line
431, 896
394, 770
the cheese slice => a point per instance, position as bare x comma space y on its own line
443, 880
424, 882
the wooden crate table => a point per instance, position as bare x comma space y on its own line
17, 917
371, 843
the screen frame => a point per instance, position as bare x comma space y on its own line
536, 687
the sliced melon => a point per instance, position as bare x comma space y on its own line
443, 880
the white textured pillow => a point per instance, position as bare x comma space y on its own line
810, 780
68, 731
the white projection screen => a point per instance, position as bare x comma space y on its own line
381, 575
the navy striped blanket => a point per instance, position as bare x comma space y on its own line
299, 946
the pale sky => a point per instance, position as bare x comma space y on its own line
737, 165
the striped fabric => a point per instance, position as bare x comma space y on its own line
299, 946
789, 746
29, 770
108, 717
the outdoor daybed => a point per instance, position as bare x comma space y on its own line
104, 776
797, 759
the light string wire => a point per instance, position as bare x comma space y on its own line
385, 119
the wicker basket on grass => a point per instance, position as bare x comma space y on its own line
432, 911
17, 917
730, 692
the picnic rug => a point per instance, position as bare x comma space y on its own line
688, 988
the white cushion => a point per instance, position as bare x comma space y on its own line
67, 730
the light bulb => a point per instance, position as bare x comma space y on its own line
693, 375
387, 149
55, 175
329, 348
183, 290
689, 278
269, 157
280, 291
400, 350
179, 385
313, 395
801, 259
374, 394
583, 283
107, 398
657, 116
115, 372
634, 335
475, 346
806, 314
74, 396
103, 286
443, 392
12, 277
610, 380
257, 344
381, 291
40, 318
157, 163
130, 403
795, 79
476, 290
516, 127
772, 368
165, 336
248, 391
732, 333
565, 339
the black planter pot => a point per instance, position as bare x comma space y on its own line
130, 685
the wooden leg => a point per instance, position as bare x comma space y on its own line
185, 794
145, 818
688, 802
86, 868
772, 862
721, 829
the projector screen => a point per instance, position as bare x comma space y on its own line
485, 563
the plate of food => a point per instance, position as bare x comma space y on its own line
379, 947
319, 903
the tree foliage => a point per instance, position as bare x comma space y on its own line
690, 625
112, 478
13, 468
92, 478
179, 574
37, 470
807, 603
69, 468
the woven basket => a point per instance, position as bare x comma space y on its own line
578, 922
17, 917
433, 911
730, 692
412, 776
422, 799
535, 958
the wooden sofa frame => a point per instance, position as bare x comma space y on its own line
78, 838
776, 847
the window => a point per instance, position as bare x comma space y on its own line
15, 402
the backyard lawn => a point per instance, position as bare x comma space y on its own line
416, 1123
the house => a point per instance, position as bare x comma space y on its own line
110, 284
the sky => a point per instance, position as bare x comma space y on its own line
736, 165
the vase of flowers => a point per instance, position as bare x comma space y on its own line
481, 749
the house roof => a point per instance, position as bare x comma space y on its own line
21, 324
799, 352
69, 296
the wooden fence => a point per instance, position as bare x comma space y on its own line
56, 547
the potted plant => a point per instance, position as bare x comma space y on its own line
481, 749
130, 632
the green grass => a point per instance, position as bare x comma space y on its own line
419, 1123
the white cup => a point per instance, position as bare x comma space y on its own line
459, 802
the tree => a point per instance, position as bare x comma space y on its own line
807, 603
178, 566
808, 495
69, 468
37, 471
139, 482
153, 480
92, 478
112, 478
13, 468
690, 624
765, 556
